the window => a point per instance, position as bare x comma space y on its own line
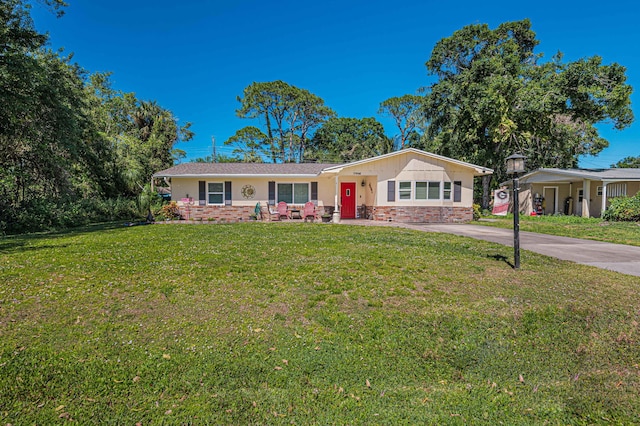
599, 190
427, 190
446, 193
434, 191
293, 193
421, 190
404, 190
300, 193
215, 193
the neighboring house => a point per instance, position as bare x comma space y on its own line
405, 186
580, 192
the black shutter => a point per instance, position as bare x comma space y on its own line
314, 193
457, 191
202, 193
391, 190
227, 193
272, 193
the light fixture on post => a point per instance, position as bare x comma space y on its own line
363, 183
515, 166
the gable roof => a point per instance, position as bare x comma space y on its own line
478, 170
568, 175
243, 169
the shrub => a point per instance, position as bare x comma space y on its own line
170, 211
49, 215
476, 212
623, 209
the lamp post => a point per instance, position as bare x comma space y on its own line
515, 165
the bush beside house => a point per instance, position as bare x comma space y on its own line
623, 209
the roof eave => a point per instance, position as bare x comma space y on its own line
227, 175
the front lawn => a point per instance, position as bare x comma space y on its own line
293, 323
573, 226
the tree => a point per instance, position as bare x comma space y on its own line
66, 137
628, 163
290, 115
219, 158
349, 139
309, 112
250, 144
407, 113
493, 98
141, 135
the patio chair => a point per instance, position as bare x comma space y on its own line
274, 214
283, 210
309, 211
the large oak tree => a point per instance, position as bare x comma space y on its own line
494, 96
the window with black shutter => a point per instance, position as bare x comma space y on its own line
227, 193
272, 193
202, 193
457, 191
391, 190
314, 193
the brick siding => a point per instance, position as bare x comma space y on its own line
422, 214
230, 214
227, 214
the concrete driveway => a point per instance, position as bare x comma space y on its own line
615, 257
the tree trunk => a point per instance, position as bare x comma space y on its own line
486, 180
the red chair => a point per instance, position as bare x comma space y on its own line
309, 211
283, 210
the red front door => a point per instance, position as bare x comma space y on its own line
348, 200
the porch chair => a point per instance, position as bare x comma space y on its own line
309, 211
283, 210
274, 214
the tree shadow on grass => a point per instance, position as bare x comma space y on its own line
21, 242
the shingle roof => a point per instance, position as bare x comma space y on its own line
243, 169
290, 169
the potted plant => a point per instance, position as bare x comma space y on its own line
326, 218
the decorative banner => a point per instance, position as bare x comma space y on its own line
500, 202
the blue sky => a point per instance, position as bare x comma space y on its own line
195, 57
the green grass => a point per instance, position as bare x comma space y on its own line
309, 324
573, 226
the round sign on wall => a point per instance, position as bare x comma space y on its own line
248, 191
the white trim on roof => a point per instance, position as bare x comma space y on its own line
244, 175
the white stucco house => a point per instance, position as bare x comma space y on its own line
409, 185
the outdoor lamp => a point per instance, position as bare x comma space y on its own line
515, 165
